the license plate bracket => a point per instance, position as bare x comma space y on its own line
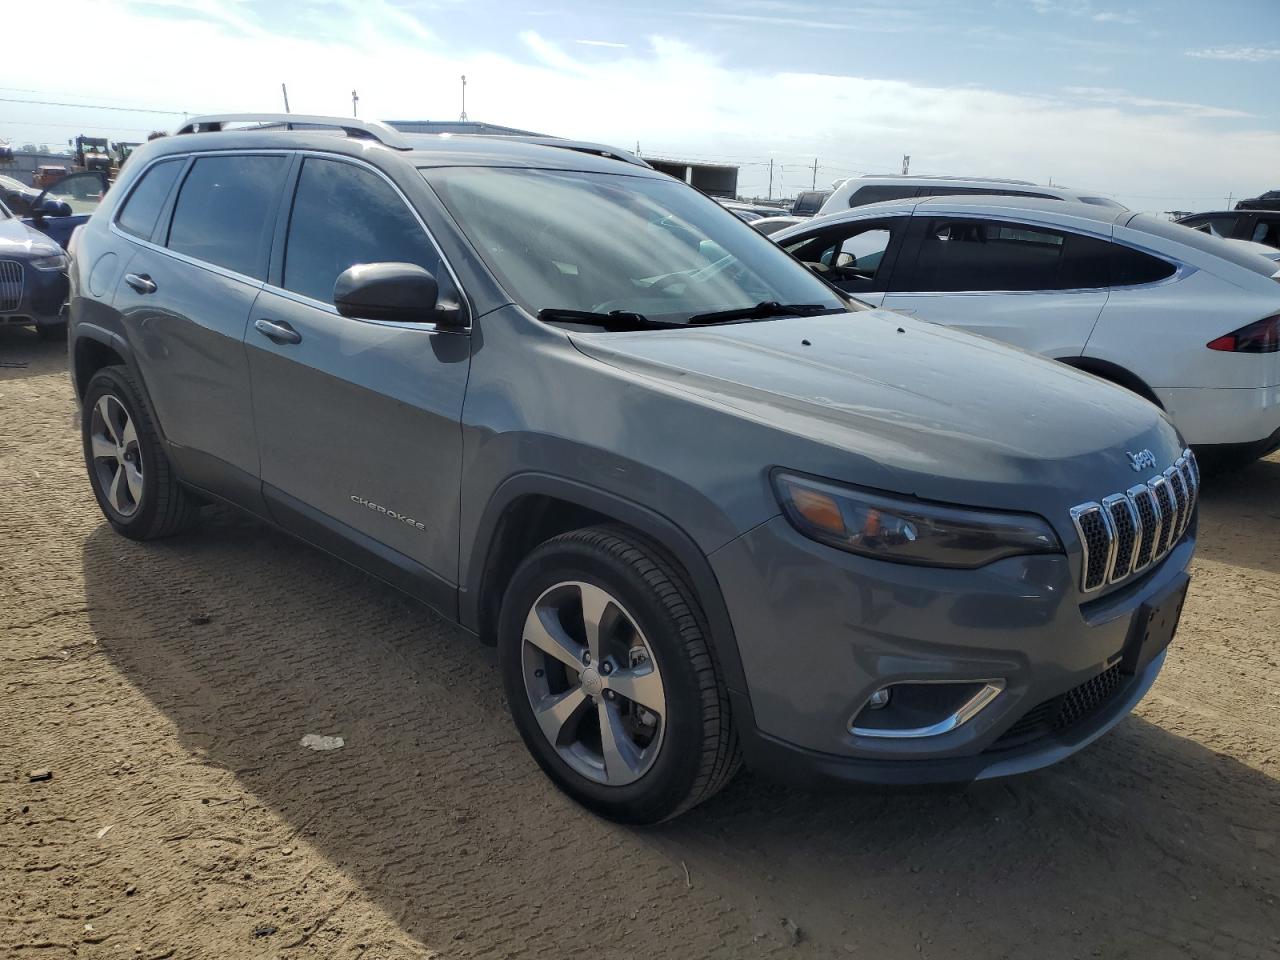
1154, 625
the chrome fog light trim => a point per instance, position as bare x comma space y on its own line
982, 699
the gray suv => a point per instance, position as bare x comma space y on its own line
709, 509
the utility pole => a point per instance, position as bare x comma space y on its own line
1229, 196
285, 90
355, 100
906, 163
815, 174
770, 178
463, 117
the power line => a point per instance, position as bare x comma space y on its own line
91, 106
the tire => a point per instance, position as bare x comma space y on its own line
692, 748
52, 332
157, 505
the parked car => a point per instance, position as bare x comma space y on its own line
17, 196
756, 210
707, 507
59, 209
1258, 226
33, 278
1183, 319
47, 175
859, 191
809, 202
771, 225
1265, 201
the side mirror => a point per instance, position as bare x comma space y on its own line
400, 292
49, 207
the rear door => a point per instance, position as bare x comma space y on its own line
858, 257
1037, 287
359, 421
200, 231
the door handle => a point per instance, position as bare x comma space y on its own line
140, 282
277, 331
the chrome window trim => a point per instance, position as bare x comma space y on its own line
963, 714
289, 294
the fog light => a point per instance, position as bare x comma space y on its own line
879, 699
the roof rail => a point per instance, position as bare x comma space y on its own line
352, 127
581, 146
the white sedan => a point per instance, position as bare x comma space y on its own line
1190, 321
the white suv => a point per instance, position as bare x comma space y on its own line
859, 191
1188, 320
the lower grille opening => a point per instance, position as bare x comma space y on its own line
1064, 711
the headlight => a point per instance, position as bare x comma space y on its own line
908, 531
56, 262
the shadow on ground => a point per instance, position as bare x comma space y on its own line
23, 354
1147, 841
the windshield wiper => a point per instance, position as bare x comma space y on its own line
763, 311
613, 320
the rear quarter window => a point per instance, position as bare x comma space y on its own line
1197, 240
142, 207
1130, 267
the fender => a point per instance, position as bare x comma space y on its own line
1113, 372
649, 523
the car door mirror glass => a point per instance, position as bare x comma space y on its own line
399, 292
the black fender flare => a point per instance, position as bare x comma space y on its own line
650, 524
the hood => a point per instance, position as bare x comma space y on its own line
18, 239
942, 414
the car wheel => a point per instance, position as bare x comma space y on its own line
131, 476
610, 677
52, 331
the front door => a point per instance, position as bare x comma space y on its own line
857, 257
1039, 288
359, 421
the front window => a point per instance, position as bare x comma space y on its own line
560, 240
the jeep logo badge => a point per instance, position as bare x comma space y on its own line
1143, 459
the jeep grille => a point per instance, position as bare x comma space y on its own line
1127, 532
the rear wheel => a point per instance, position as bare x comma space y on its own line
131, 477
610, 678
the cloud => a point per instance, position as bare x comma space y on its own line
1245, 54
1083, 8
600, 43
1123, 98
675, 97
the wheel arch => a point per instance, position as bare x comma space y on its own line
1113, 372
93, 349
530, 508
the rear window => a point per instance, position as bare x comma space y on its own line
1196, 239
143, 206
970, 255
223, 211
880, 193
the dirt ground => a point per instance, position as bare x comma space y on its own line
166, 687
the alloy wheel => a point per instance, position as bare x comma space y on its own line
117, 458
593, 683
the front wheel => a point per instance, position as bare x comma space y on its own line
610, 677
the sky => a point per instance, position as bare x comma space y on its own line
1163, 105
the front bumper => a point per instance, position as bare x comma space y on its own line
819, 630
35, 297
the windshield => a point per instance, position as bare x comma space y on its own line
561, 240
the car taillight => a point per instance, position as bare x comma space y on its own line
1262, 336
